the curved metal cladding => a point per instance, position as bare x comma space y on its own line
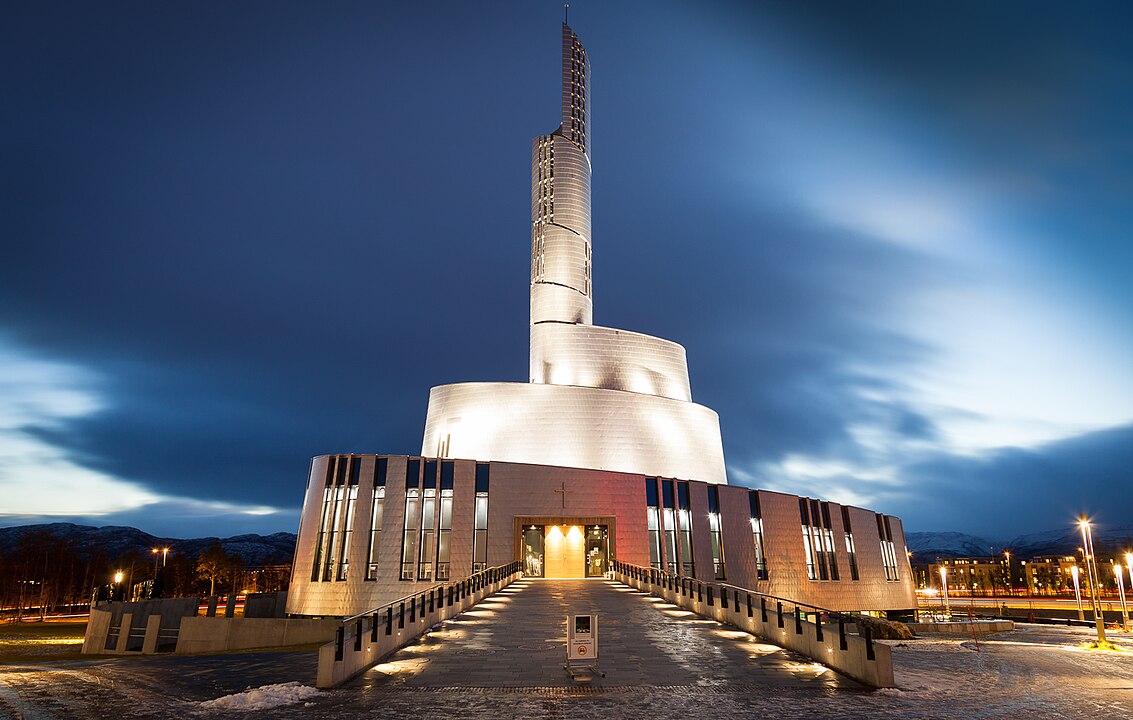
601, 357
575, 427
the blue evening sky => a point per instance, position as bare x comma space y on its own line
894, 238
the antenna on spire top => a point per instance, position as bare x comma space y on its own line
566, 13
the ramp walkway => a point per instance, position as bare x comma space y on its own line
516, 639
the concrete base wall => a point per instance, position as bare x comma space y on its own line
962, 628
800, 636
221, 634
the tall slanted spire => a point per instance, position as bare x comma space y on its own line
560, 208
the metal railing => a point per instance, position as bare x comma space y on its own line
756, 601
382, 618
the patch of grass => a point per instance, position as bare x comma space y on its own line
23, 642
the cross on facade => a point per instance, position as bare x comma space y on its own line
564, 492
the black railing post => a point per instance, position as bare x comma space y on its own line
450, 595
422, 607
374, 627
818, 626
762, 609
724, 598
700, 592
842, 634
432, 598
738, 601
413, 610
779, 610
749, 612
867, 633
710, 596
339, 641
401, 616
798, 621
389, 620
358, 636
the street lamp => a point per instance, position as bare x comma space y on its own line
1010, 587
1121, 595
1077, 592
944, 590
117, 577
1092, 574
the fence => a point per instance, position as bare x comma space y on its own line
363, 640
838, 640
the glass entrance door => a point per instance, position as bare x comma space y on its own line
597, 550
533, 551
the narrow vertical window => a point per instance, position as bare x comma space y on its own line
714, 529
757, 535
828, 541
333, 546
376, 507
428, 521
816, 540
324, 521
811, 563
480, 527
348, 522
668, 516
653, 522
851, 551
684, 524
888, 552
444, 526
409, 531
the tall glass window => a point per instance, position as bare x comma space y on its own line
668, 516
321, 550
376, 507
335, 530
412, 507
428, 522
444, 526
757, 535
851, 551
888, 552
828, 541
348, 521
715, 530
480, 527
808, 546
653, 522
684, 525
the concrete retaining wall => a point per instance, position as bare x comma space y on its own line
962, 628
221, 634
801, 636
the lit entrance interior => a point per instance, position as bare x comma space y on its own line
565, 550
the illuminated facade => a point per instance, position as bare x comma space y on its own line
601, 455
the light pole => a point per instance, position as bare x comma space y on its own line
1010, 585
1092, 575
1121, 596
1077, 592
944, 590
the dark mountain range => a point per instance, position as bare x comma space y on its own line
1113, 542
115, 541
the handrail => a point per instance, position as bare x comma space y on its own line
645, 571
434, 595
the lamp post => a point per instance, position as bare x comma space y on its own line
1092, 576
1077, 592
1010, 585
1121, 596
944, 590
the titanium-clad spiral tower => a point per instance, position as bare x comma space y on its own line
597, 397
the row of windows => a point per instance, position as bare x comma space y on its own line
427, 530
818, 540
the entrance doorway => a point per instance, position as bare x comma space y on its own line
565, 550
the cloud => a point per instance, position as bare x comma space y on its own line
40, 400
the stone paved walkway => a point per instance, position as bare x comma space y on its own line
517, 638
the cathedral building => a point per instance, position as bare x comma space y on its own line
601, 455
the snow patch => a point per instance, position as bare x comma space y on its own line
263, 698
